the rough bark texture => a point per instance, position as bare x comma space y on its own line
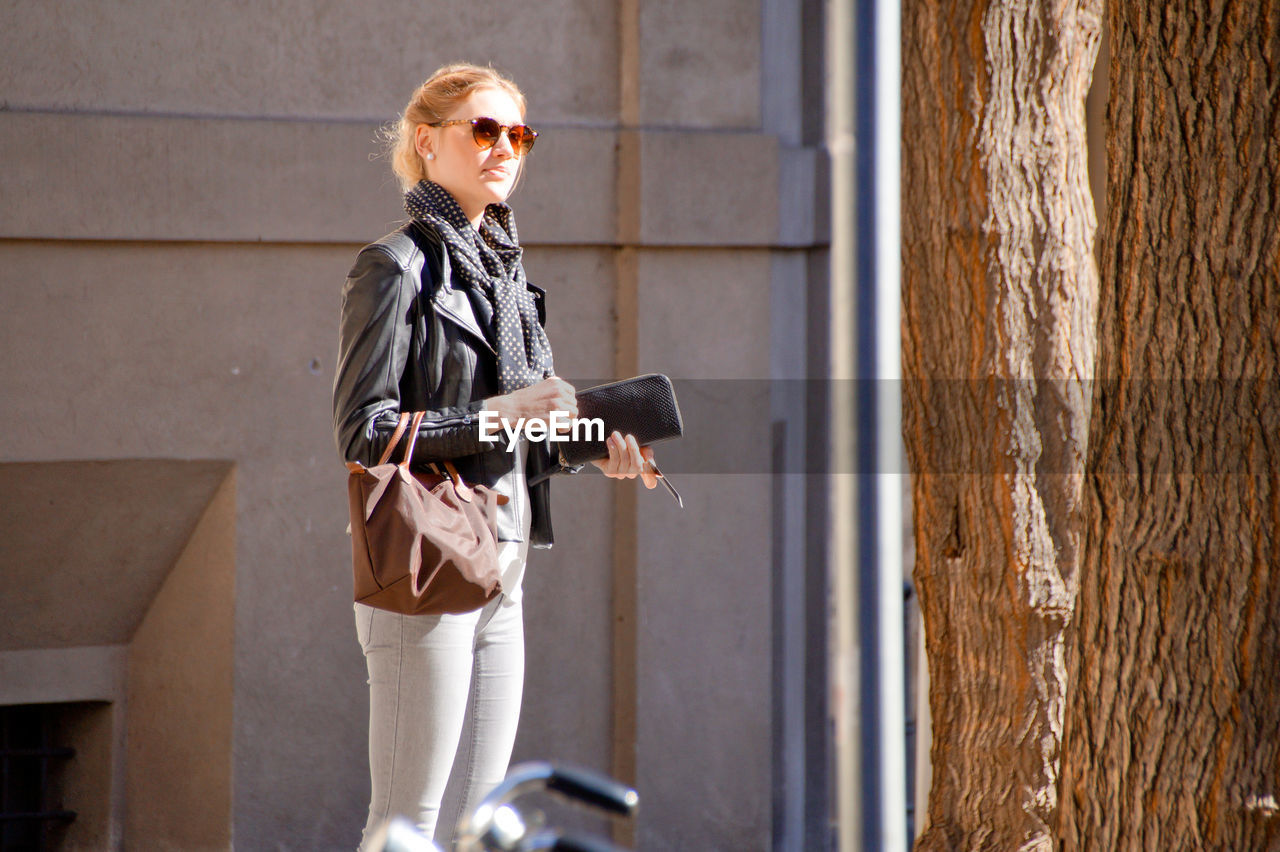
999, 299
1173, 737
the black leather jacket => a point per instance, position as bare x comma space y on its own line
409, 341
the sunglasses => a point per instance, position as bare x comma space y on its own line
487, 131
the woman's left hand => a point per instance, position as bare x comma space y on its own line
627, 459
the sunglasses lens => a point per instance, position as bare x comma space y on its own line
486, 131
522, 136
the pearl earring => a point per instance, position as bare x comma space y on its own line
430, 156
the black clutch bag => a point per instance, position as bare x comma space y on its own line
644, 406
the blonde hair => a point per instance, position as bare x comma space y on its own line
432, 102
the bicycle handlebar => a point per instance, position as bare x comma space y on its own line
582, 785
595, 789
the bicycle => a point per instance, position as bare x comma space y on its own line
497, 825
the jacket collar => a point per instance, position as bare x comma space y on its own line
454, 305
451, 303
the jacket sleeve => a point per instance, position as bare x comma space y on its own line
374, 340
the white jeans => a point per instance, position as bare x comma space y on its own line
427, 675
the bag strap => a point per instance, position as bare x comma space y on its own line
395, 438
460, 488
413, 437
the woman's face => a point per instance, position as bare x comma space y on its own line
476, 177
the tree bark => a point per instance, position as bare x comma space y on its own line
1173, 728
999, 299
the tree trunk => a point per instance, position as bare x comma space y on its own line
1173, 728
999, 295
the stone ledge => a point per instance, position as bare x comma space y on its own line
54, 675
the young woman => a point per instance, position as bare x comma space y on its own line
438, 317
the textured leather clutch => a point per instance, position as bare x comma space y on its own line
644, 406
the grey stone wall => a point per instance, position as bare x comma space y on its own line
185, 187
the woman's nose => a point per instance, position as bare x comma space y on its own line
503, 146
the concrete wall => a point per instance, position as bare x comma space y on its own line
185, 188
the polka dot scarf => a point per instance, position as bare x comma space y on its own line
488, 262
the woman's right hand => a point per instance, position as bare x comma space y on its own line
535, 401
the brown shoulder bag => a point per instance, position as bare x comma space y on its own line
421, 544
